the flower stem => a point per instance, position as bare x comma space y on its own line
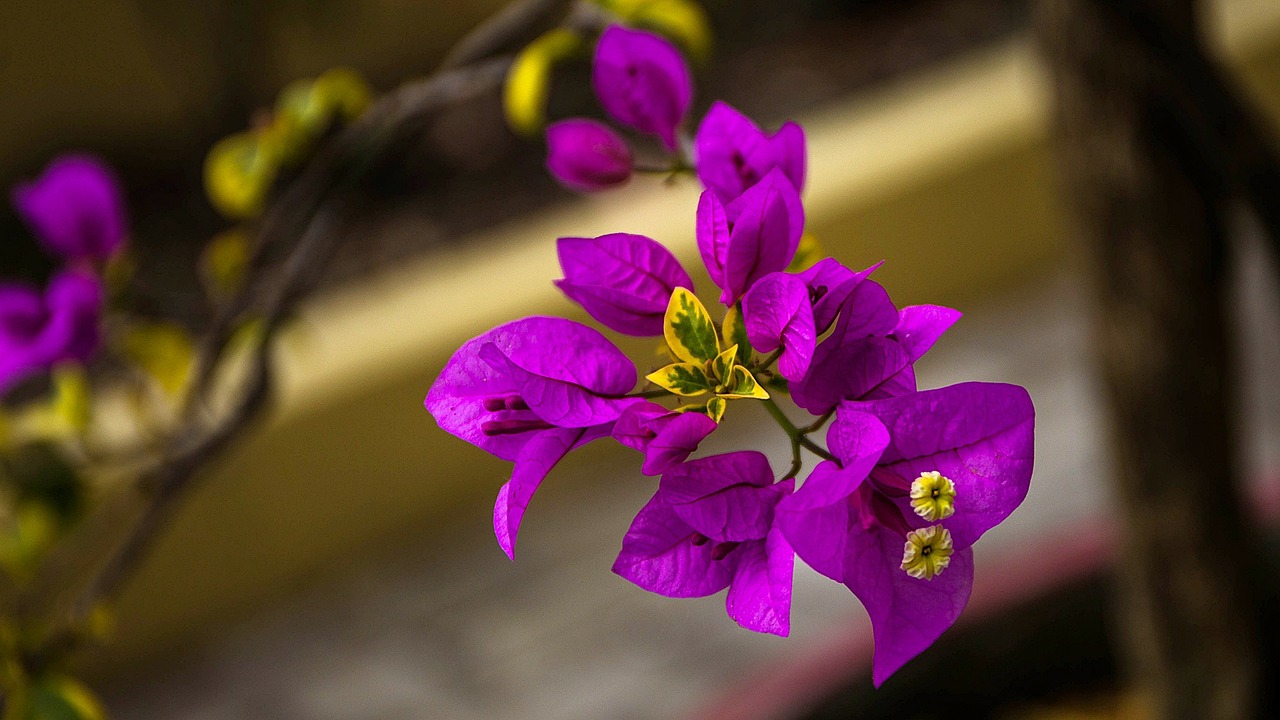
769, 359
816, 425
797, 437
816, 449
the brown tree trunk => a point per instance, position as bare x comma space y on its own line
1150, 202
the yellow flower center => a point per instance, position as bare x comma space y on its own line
927, 552
933, 496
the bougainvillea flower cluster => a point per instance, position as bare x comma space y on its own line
76, 210
907, 480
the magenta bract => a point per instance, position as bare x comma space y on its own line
624, 281
777, 313
710, 526
666, 438
587, 156
754, 235
642, 81
76, 208
850, 519
530, 391
733, 153
39, 329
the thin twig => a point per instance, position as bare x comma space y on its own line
307, 218
513, 26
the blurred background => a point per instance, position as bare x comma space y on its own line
340, 563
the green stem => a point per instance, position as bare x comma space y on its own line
648, 394
816, 425
816, 449
797, 437
769, 359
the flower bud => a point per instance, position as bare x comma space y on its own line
586, 155
642, 82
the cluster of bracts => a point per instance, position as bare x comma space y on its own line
908, 479
76, 211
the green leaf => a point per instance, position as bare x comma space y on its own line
735, 332
63, 698
686, 379
742, 384
690, 333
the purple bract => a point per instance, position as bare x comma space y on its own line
623, 281
76, 208
39, 329
733, 153
586, 155
643, 82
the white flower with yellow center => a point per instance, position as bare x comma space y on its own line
933, 496
927, 552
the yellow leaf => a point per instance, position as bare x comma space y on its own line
305, 109
742, 384
715, 408
223, 262
686, 379
165, 352
524, 94
724, 363
72, 398
688, 328
345, 92
682, 21
63, 698
239, 171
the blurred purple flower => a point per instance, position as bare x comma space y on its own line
38, 330
733, 153
76, 208
666, 438
916, 481
586, 155
530, 391
754, 235
710, 526
624, 281
643, 82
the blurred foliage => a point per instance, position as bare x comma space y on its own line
524, 95
241, 169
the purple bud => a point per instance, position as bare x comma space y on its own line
623, 281
586, 155
75, 208
642, 82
